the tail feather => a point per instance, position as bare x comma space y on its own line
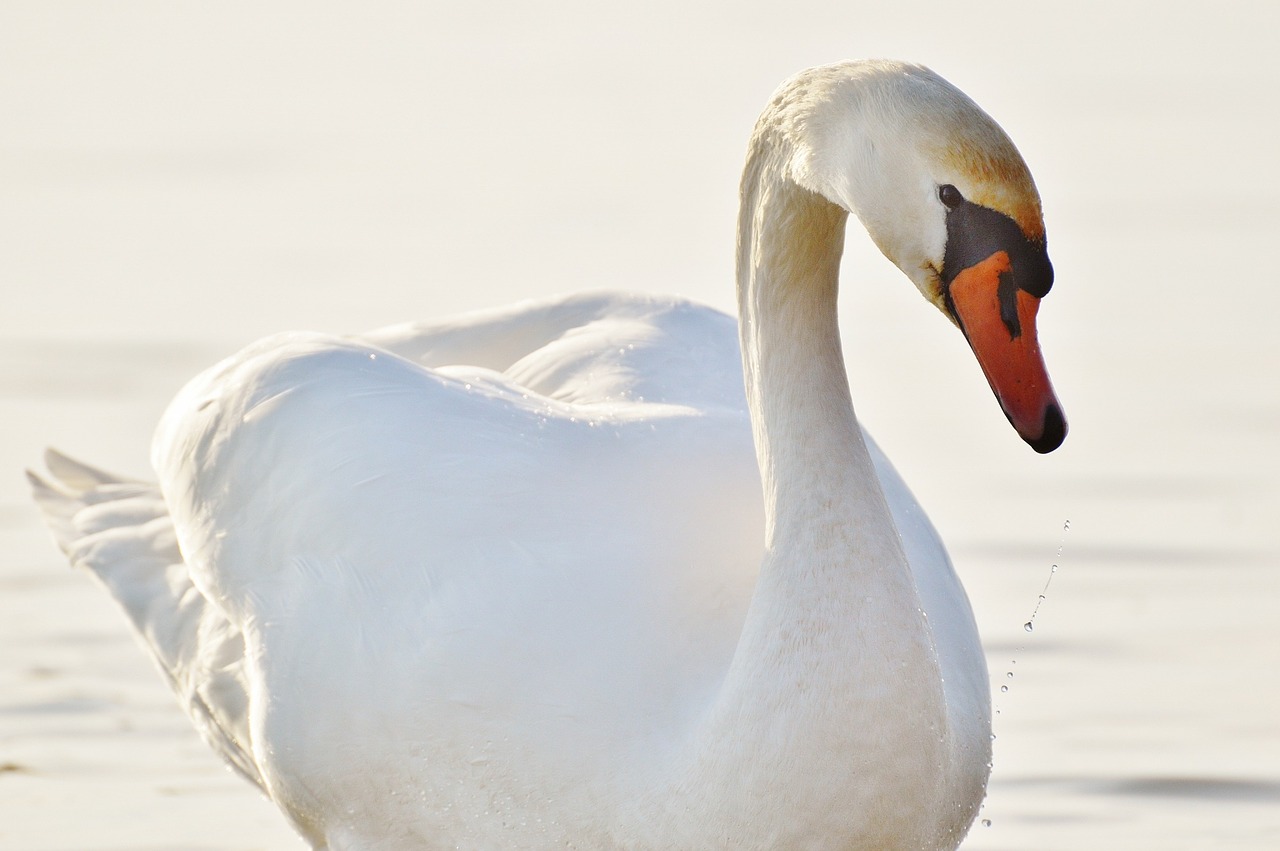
120, 531
59, 507
77, 475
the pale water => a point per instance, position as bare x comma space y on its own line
178, 179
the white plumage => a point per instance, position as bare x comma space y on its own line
508, 580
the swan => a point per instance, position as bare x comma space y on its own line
608, 570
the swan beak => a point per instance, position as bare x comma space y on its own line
999, 320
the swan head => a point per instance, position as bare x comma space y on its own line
946, 196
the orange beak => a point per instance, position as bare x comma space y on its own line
999, 321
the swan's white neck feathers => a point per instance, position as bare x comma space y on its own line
836, 602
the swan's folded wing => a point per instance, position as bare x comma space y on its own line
495, 338
588, 348
120, 531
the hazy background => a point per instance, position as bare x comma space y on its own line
177, 179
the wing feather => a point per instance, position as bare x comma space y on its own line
120, 531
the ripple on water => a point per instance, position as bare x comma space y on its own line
1181, 787
1201, 788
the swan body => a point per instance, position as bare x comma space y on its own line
556, 575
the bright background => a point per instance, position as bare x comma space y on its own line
178, 178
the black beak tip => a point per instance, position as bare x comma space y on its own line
1053, 433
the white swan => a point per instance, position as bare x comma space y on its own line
537, 601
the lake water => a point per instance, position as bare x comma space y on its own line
179, 179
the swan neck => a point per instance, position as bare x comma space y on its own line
834, 693
830, 539
806, 434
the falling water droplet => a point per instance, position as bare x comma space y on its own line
986, 822
1004, 688
1009, 674
1027, 626
1053, 568
1066, 526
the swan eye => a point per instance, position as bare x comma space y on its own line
950, 196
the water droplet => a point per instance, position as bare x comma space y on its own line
1066, 526
372, 356
466, 386
1004, 688
1009, 675
1053, 568
986, 822
1027, 626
